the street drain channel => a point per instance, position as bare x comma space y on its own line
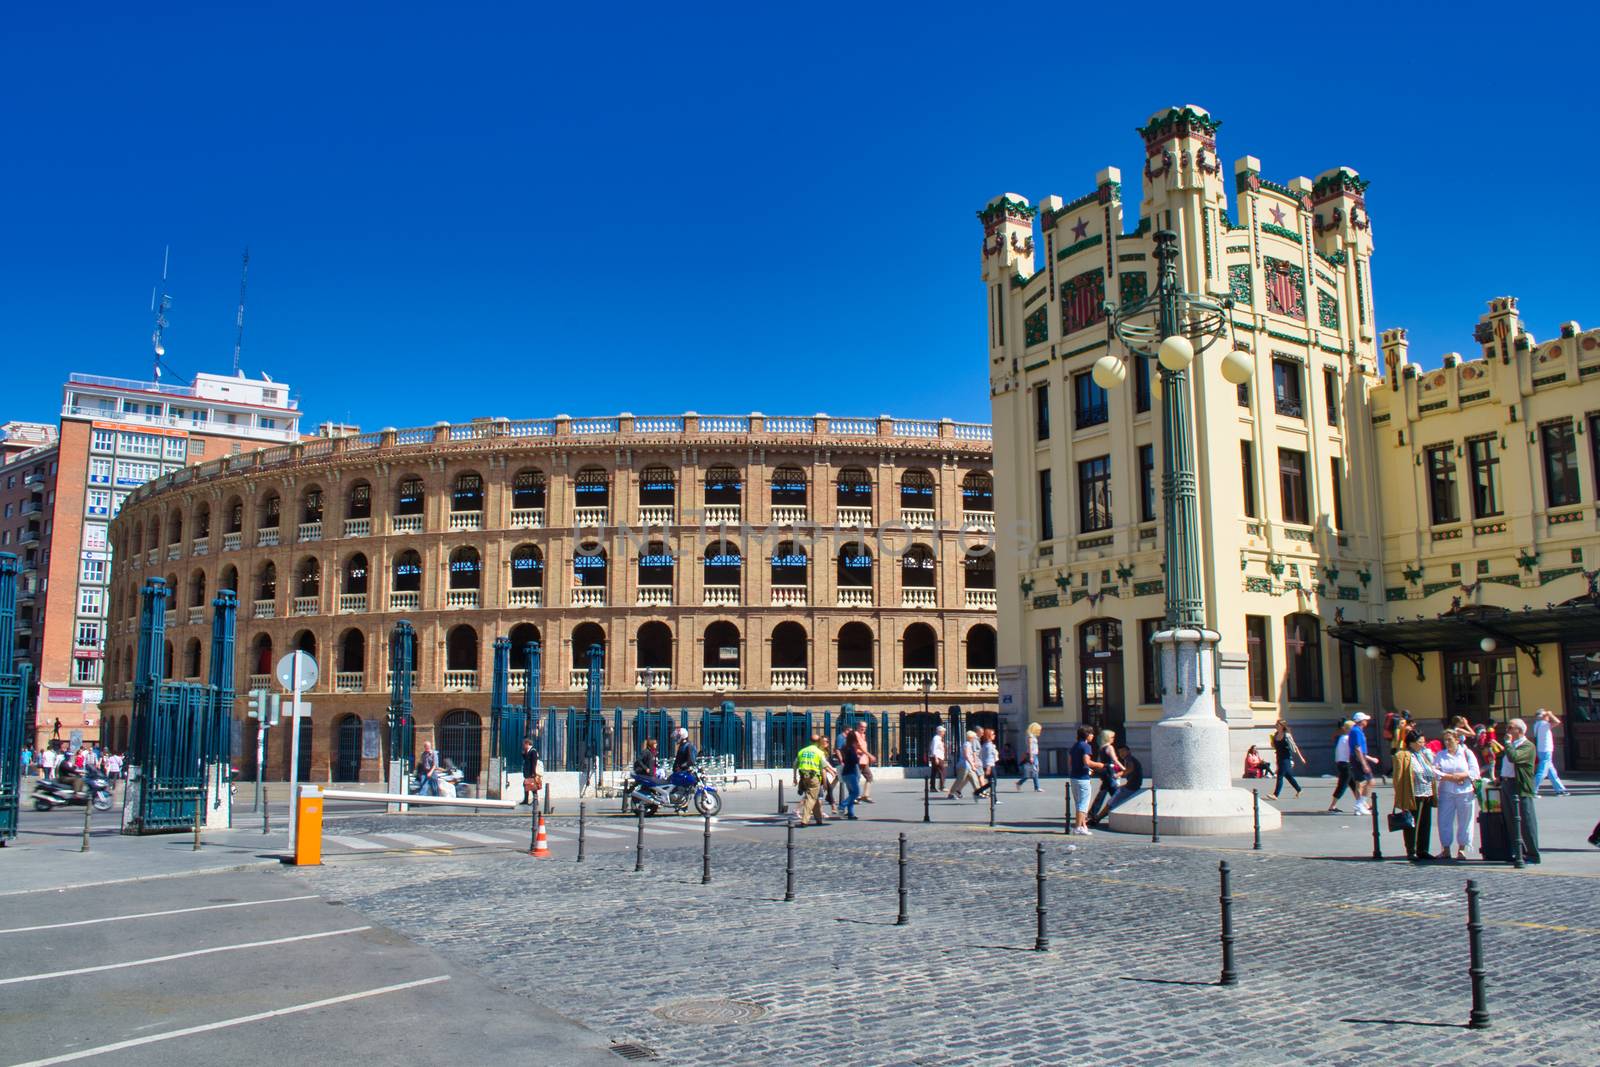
710, 1012
628, 1050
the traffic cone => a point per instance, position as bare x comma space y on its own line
541, 847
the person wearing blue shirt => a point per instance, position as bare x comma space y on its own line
1361, 764
1081, 765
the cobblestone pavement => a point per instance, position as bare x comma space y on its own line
1340, 960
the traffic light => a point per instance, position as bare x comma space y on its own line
264, 706
258, 700
274, 702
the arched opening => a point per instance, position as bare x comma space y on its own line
723, 571
352, 652
407, 576
267, 516
918, 568
977, 494
788, 494
978, 569
724, 489
311, 505
584, 636
916, 493
589, 569
197, 589
527, 569
233, 516
410, 496
919, 651
1100, 674
722, 647
467, 495
136, 540
354, 577
153, 534
358, 504
983, 657
461, 742
306, 641
267, 581
653, 646
1302, 645
347, 739
658, 494
261, 655
790, 572
191, 658
308, 580
527, 491
229, 579
466, 568
461, 649
854, 656
524, 635
591, 492
789, 648
173, 591
854, 491
855, 566
175, 527
655, 574
202, 520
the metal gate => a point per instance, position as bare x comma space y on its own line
657, 726
348, 768
722, 733
916, 733
14, 686
787, 733
586, 740
461, 742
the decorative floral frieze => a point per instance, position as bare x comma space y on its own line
1327, 309
1005, 210
1036, 327
1239, 283
1133, 285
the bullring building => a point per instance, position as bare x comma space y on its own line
799, 562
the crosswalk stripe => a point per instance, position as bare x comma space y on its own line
415, 840
476, 838
354, 844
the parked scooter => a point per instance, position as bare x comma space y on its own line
49, 794
650, 795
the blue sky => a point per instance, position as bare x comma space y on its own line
460, 210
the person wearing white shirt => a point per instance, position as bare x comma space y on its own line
936, 758
1341, 764
1457, 768
1544, 744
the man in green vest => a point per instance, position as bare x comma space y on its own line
811, 772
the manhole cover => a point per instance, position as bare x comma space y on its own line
710, 1012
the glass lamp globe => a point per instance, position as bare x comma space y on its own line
1237, 367
1488, 644
1176, 353
1373, 652
1109, 372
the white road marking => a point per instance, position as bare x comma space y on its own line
355, 844
179, 956
478, 839
156, 914
415, 840
222, 1024
604, 833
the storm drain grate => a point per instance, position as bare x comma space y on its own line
710, 1012
628, 1050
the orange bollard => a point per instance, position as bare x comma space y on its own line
541, 847
308, 838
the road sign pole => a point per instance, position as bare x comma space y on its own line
294, 753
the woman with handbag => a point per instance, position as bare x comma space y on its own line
1285, 751
1414, 775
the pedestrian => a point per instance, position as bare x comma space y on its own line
1254, 765
811, 769
427, 771
850, 771
1108, 770
1080, 764
1030, 757
1361, 764
1341, 764
1458, 799
1544, 747
27, 760
1414, 775
1285, 752
936, 757
114, 766
867, 760
966, 767
1594, 835
1517, 788
988, 758
1132, 778
531, 780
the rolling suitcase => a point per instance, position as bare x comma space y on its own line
1494, 841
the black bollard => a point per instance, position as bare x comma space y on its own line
902, 919
266, 805
991, 801
583, 810
1066, 818
1041, 940
1255, 813
1479, 1017
547, 808
705, 855
638, 851
927, 786
1155, 821
1510, 799
199, 808
87, 810
1229, 975
1377, 841
533, 828
782, 807
788, 866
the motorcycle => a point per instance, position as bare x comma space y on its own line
49, 794
651, 795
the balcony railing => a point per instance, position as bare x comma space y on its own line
1091, 415
258, 681
460, 681
854, 597
721, 596
586, 517
660, 677
388, 679
982, 680
589, 596
461, 598
527, 518
788, 679
352, 602
151, 557
718, 514
201, 546
653, 596
981, 600
525, 598
305, 605
466, 520
197, 615
267, 538
978, 520
405, 523
174, 553
409, 600
852, 516
517, 680
349, 681
913, 597
232, 541
656, 514
264, 609
578, 678
171, 617
719, 679
308, 531
917, 518
855, 678
1288, 405
913, 678
788, 514
358, 527
788, 596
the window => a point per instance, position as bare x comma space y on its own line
8, 510
1255, 641
1094, 494
88, 633
91, 601
1292, 486
197, 447
1089, 406
1482, 686
1041, 413
99, 472
1330, 386
268, 424
1349, 689
1047, 522
94, 570
1149, 665
1244, 394
131, 473
86, 671
1560, 463
1286, 393
117, 500
1147, 482
175, 448
1484, 467
139, 444
1050, 668
97, 502
102, 441
1336, 472
1441, 468
1141, 385
1302, 648
1247, 471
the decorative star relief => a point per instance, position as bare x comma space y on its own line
1080, 230
1277, 214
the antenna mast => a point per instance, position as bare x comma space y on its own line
238, 337
160, 307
